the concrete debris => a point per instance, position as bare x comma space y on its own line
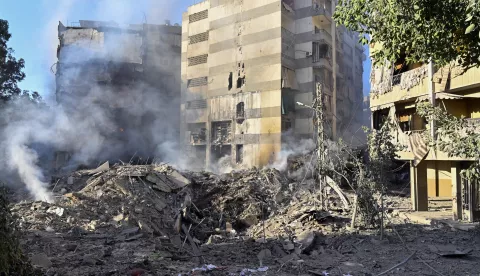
155, 220
41, 260
248, 271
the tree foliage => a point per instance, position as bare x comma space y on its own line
12, 259
445, 31
370, 178
455, 136
11, 70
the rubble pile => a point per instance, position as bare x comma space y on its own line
303, 214
241, 198
301, 166
136, 214
155, 220
126, 213
138, 195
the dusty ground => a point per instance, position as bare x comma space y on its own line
258, 221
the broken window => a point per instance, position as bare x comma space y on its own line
241, 110
321, 50
198, 133
289, 79
405, 121
398, 68
288, 102
221, 132
239, 157
240, 81
230, 81
286, 123
379, 118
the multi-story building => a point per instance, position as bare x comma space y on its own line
245, 65
123, 71
395, 91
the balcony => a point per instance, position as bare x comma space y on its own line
401, 82
322, 35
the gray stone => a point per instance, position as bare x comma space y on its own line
130, 231
277, 251
178, 180
306, 239
290, 258
41, 260
159, 183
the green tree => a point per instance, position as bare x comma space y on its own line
12, 259
11, 70
445, 31
455, 136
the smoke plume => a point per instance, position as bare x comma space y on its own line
112, 108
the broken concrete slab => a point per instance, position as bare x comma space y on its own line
159, 183
104, 167
179, 180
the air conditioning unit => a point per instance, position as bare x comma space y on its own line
309, 54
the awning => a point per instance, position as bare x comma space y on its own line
382, 106
441, 96
419, 147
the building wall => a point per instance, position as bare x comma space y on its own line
268, 44
131, 73
439, 180
244, 41
435, 173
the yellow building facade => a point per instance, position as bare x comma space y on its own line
246, 63
396, 90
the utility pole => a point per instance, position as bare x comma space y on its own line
319, 110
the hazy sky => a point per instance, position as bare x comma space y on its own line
33, 25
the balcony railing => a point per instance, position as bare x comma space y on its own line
405, 80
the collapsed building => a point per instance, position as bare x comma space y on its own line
128, 72
245, 65
434, 175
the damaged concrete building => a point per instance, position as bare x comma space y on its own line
435, 177
245, 65
120, 69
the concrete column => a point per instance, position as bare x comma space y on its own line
334, 73
419, 192
431, 93
456, 190
208, 126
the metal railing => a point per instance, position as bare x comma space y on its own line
405, 80
410, 75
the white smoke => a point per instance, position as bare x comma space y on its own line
88, 125
290, 147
